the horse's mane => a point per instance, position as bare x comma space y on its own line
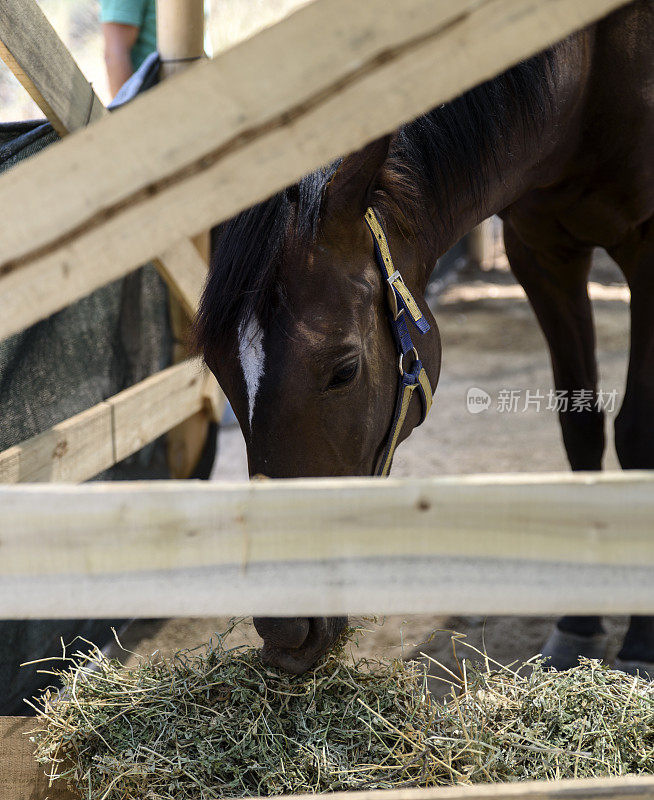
453, 148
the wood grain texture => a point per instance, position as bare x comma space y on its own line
96, 439
33, 51
180, 41
40, 60
569, 789
475, 544
74, 450
149, 409
21, 778
229, 132
185, 272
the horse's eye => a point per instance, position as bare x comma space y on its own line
344, 374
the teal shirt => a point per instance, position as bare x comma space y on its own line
140, 13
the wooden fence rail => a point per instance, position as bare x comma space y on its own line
96, 439
81, 447
231, 131
490, 544
31, 49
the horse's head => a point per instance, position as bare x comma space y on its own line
295, 325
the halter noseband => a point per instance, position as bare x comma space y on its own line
401, 303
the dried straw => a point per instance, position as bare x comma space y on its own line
217, 723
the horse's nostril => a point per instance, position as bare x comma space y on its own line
285, 632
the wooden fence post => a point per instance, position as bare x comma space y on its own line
180, 42
481, 244
180, 34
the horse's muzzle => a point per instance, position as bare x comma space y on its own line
295, 644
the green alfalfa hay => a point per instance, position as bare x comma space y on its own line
218, 723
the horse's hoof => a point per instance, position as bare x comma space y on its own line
563, 649
643, 668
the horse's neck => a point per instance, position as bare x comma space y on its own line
526, 159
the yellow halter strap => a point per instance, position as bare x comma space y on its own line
401, 304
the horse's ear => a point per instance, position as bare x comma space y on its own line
351, 186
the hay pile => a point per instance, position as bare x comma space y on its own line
220, 724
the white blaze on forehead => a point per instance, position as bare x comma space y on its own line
250, 350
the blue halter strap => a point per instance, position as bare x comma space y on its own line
402, 307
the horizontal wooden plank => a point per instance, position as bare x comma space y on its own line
73, 450
399, 585
623, 788
154, 406
96, 439
473, 544
229, 132
585, 519
33, 51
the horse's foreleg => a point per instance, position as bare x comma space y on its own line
555, 280
634, 425
554, 277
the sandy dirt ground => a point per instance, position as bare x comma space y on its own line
490, 341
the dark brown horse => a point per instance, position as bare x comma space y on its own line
294, 320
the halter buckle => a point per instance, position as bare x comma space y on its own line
401, 364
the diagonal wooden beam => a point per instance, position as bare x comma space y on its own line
33, 51
185, 272
231, 131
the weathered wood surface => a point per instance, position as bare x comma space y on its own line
21, 778
231, 131
473, 544
185, 272
155, 405
180, 42
33, 51
43, 64
40, 60
628, 788
180, 34
96, 439
74, 450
